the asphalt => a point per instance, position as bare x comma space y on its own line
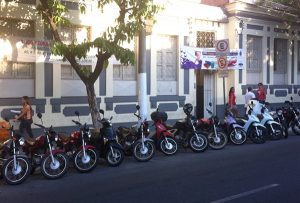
251, 173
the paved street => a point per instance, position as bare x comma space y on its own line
249, 173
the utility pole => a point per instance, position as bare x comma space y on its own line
142, 76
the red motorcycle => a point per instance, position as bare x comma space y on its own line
85, 157
53, 162
162, 137
216, 138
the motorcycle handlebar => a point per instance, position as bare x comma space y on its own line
137, 116
76, 122
39, 125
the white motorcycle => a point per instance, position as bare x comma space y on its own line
274, 129
253, 127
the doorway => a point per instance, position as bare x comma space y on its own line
205, 92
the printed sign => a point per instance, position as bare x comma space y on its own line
207, 59
222, 62
222, 47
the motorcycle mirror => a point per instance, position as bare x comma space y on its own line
111, 118
137, 107
286, 102
39, 115
252, 103
101, 111
210, 104
292, 98
267, 103
76, 113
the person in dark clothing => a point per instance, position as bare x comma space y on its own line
25, 117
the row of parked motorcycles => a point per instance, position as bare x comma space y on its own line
54, 152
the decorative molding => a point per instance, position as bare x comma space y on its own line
154, 100
109, 101
57, 102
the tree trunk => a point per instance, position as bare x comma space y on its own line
92, 100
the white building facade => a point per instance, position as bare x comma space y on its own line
27, 68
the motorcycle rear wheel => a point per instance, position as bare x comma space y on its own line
238, 136
116, 158
218, 141
57, 169
141, 155
83, 166
16, 176
198, 145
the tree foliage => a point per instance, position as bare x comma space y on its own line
131, 18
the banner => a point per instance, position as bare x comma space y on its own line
206, 59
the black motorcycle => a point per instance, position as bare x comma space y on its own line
135, 139
292, 116
279, 117
107, 144
186, 133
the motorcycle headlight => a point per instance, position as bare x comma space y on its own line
89, 134
21, 141
279, 112
56, 138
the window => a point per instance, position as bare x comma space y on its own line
68, 73
123, 72
280, 55
167, 65
254, 53
16, 70
205, 39
166, 59
75, 33
16, 27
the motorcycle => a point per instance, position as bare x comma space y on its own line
253, 128
107, 144
278, 116
274, 129
292, 116
235, 132
84, 156
53, 162
216, 138
186, 134
135, 139
15, 167
164, 138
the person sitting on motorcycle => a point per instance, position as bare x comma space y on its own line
25, 117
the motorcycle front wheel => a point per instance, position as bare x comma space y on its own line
296, 128
168, 145
56, 168
115, 157
238, 136
218, 141
14, 175
198, 142
143, 154
276, 133
84, 164
257, 134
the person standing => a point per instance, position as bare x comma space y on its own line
248, 96
261, 93
232, 102
25, 117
